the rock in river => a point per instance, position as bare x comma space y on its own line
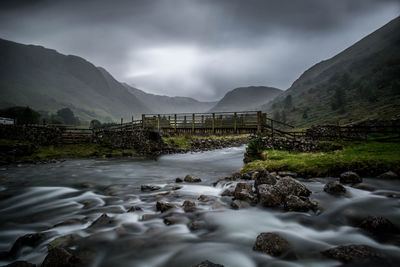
353, 253
378, 225
388, 175
289, 186
60, 257
189, 206
29, 240
295, 203
268, 195
208, 264
164, 206
334, 188
191, 179
350, 178
103, 221
244, 191
272, 244
147, 187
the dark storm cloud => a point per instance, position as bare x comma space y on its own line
199, 48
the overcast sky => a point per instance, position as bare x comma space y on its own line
196, 48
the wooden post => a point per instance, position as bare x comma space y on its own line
202, 121
158, 122
272, 128
143, 119
259, 121
235, 122
184, 121
175, 122
213, 122
264, 121
169, 121
193, 123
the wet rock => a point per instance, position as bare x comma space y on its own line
134, 208
208, 264
287, 173
102, 221
295, 203
29, 240
70, 222
264, 178
388, 175
191, 179
189, 206
164, 206
63, 241
353, 253
334, 188
176, 219
240, 204
178, 180
272, 244
378, 225
20, 264
148, 217
205, 198
177, 187
227, 193
246, 176
149, 187
289, 186
350, 178
244, 191
237, 175
62, 258
268, 195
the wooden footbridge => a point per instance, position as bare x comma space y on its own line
220, 123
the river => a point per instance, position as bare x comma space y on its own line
37, 198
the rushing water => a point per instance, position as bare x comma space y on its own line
35, 198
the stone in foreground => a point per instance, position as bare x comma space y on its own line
302, 204
353, 253
208, 264
378, 225
147, 187
189, 206
164, 206
191, 179
272, 244
334, 188
60, 257
289, 186
350, 178
268, 195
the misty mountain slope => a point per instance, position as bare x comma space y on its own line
362, 82
167, 104
246, 98
47, 80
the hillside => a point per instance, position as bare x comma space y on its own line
246, 98
167, 104
362, 82
47, 80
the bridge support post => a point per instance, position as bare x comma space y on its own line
213, 123
184, 121
143, 121
175, 122
158, 122
235, 122
259, 121
193, 123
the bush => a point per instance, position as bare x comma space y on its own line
255, 147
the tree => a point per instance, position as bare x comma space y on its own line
94, 124
67, 116
21, 115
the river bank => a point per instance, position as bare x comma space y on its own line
104, 212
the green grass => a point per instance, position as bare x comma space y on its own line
184, 141
366, 158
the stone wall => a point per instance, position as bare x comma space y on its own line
36, 134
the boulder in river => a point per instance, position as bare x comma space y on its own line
103, 221
147, 187
20, 264
268, 195
244, 191
289, 186
189, 206
246, 176
60, 257
264, 177
178, 180
378, 225
208, 264
227, 193
239, 204
295, 203
28, 240
351, 253
388, 175
334, 188
164, 206
272, 244
350, 178
134, 208
190, 178
63, 241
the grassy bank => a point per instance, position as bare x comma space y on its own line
366, 158
185, 141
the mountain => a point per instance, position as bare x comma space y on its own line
362, 82
47, 80
167, 104
246, 98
